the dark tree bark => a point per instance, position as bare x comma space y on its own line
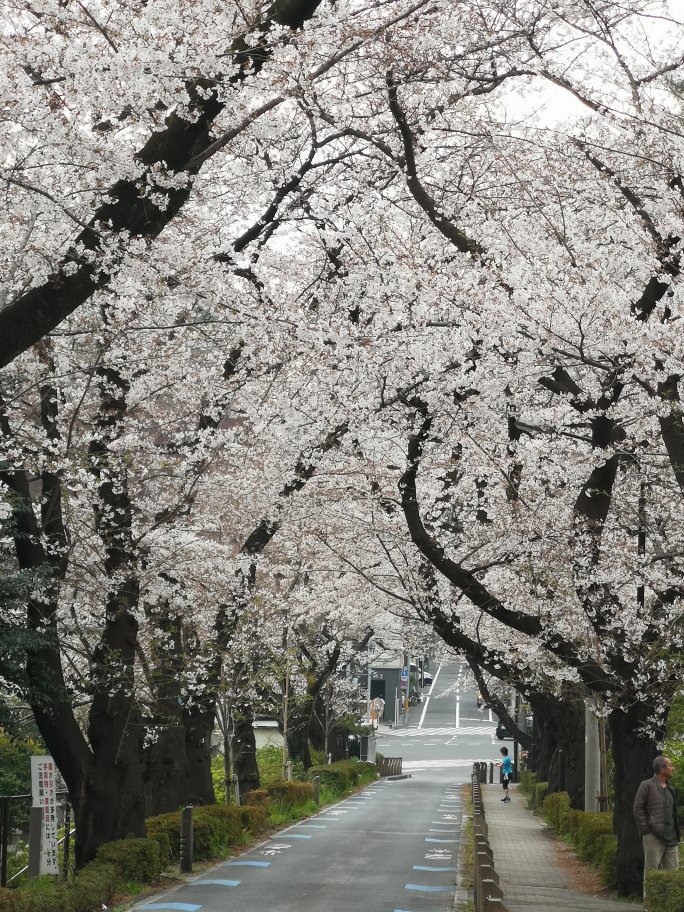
244, 748
165, 758
559, 725
182, 146
633, 757
198, 722
104, 773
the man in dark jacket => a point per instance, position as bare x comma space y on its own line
655, 812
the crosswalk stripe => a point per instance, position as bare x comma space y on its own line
432, 732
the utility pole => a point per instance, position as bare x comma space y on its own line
286, 697
368, 684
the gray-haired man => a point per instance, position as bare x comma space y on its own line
655, 811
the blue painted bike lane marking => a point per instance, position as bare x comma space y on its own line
424, 888
181, 907
434, 868
217, 882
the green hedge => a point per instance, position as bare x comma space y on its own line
216, 827
337, 776
569, 822
256, 797
664, 891
535, 801
290, 794
254, 817
138, 860
555, 804
344, 774
95, 885
527, 782
591, 827
606, 852
44, 895
589, 832
165, 830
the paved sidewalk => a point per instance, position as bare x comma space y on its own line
525, 860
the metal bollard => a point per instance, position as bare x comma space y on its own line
491, 773
4, 839
35, 837
316, 786
186, 848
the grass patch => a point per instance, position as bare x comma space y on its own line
467, 853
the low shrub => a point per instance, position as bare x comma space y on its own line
270, 763
317, 757
137, 859
216, 827
290, 794
368, 772
256, 797
664, 891
161, 837
254, 817
569, 822
94, 886
45, 895
165, 829
10, 900
554, 806
333, 775
591, 826
527, 782
606, 852
538, 796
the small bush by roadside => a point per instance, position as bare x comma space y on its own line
122, 866
664, 891
590, 833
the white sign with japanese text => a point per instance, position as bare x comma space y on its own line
44, 791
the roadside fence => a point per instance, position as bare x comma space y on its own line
391, 766
19, 822
488, 893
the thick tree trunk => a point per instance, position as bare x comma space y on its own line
166, 765
199, 724
299, 725
559, 725
165, 771
633, 756
244, 749
112, 804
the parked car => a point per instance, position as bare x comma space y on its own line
502, 732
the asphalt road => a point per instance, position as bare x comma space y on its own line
392, 848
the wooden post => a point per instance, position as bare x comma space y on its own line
186, 847
35, 836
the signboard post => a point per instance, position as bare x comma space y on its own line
44, 792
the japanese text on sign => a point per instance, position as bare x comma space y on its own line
44, 791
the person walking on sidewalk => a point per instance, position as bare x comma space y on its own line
655, 812
506, 771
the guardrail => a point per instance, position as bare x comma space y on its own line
488, 893
391, 766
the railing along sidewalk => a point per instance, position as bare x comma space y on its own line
488, 893
391, 766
